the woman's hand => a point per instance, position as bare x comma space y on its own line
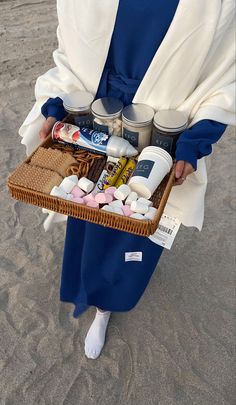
47, 127
182, 170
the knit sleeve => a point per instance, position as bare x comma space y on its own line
196, 142
54, 108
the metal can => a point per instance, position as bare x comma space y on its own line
78, 105
167, 127
137, 125
107, 115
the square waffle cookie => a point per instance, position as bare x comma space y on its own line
53, 159
35, 178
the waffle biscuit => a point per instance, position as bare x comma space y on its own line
35, 178
52, 159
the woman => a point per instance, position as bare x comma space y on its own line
120, 46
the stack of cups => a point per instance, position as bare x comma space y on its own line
154, 164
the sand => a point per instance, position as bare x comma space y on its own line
176, 346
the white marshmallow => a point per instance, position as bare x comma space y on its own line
138, 216
116, 203
143, 200
67, 185
122, 192
108, 208
151, 213
118, 210
86, 184
59, 192
46, 211
69, 197
73, 178
133, 196
139, 207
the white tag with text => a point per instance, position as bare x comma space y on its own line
166, 231
133, 256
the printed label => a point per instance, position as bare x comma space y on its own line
131, 136
80, 137
166, 231
133, 256
164, 142
99, 127
84, 121
144, 168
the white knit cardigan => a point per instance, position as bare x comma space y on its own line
192, 71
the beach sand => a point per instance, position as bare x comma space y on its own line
176, 346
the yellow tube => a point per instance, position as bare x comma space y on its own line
126, 173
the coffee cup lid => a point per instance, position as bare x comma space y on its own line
159, 152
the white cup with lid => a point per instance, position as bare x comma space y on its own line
153, 165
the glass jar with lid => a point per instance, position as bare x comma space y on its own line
107, 115
78, 105
137, 125
167, 127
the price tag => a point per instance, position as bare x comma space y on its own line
166, 231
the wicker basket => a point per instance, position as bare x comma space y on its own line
98, 216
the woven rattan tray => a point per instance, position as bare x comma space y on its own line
98, 216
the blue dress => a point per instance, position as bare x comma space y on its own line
95, 271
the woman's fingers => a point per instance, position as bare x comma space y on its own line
182, 170
47, 127
179, 168
188, 169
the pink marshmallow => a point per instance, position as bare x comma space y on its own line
89, 197
101, 198
77, 192
78, 200
92, 204
127, 211
109, 198
110, 190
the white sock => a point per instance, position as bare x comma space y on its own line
95, 338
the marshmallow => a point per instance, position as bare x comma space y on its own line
77, 192
89, 197
138, 207
69, 197
110, 190
101, 198
58, 192
127, 211
122, 192
73, 178
67, 185
151, 213
143, 200
78, 200
138, 216
92, 204
46, 211
116, 203
107, 208
109, 198
86, 184
133, 196
118, 210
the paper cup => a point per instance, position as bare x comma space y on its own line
153, 165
